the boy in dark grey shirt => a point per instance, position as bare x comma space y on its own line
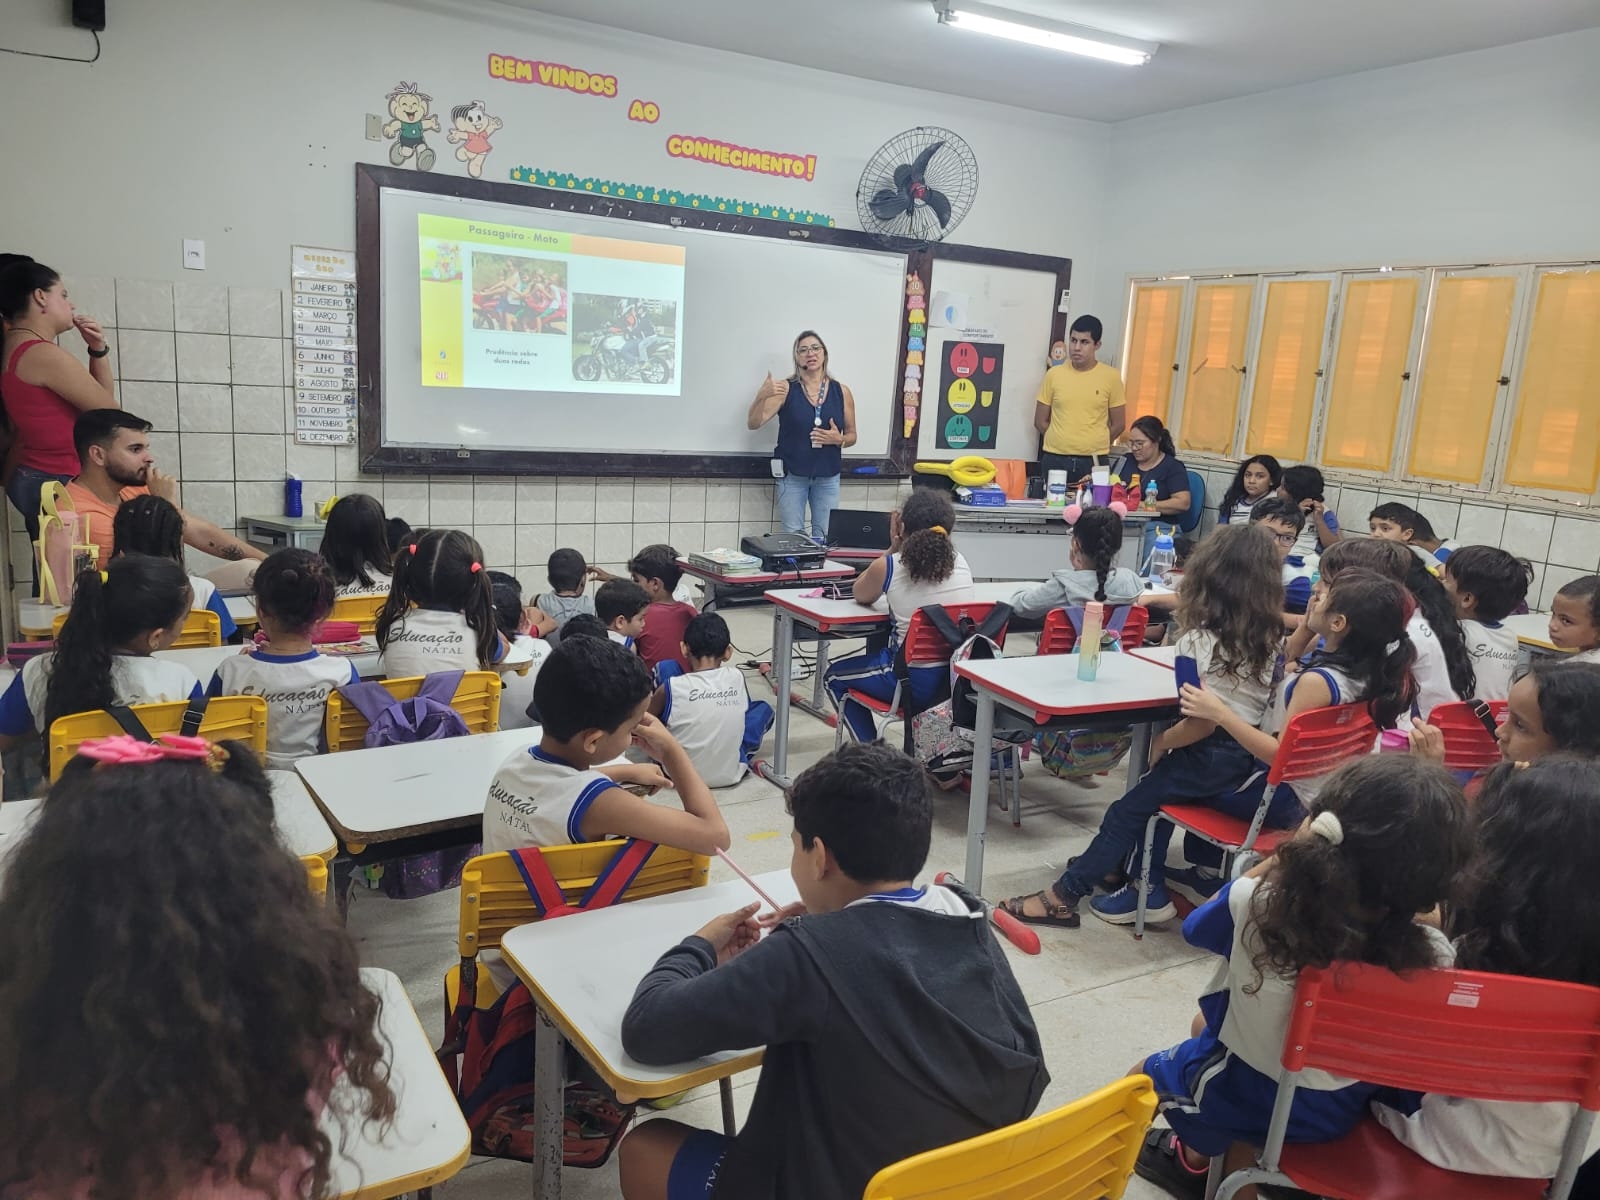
891, 1019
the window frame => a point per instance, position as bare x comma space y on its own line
1491, 486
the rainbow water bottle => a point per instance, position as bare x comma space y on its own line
1094, 619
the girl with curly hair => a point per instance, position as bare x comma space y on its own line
1537, 836
177, 1003
1229, 622
1383, 844
922, 567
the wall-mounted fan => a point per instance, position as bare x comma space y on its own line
918, 185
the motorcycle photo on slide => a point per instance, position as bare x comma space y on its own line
622, 338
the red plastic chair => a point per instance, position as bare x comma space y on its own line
926, 647
1451, 1033
1468, 744
1059, 637
1314, 743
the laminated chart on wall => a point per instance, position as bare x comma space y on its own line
324, 289
969, 395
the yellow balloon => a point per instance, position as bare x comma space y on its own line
971, 470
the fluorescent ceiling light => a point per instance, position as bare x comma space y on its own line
1036, 31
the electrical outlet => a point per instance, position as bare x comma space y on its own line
374, 127
194, 254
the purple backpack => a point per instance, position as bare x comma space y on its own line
426, 717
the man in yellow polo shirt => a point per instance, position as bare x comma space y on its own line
1081, 409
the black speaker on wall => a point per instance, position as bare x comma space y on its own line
89, 14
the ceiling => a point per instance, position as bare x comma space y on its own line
1210, 49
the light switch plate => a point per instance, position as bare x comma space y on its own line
374, 127
194, 254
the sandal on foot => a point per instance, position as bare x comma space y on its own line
1062, 916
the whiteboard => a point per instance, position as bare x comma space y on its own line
744, 300
1019, 306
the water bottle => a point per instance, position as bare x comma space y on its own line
1094, 615
291, 497
1163, 558
1150, 491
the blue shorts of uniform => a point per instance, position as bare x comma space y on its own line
695, 1166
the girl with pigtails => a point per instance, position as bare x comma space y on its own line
440, 612
1092, 573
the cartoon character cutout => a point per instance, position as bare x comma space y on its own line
1058, 353
409, 108
470, 135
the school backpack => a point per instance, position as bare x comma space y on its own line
1079, 753
425, 717
488, 1054
939, 731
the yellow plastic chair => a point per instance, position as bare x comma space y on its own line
494, 900
316, 874
228, 718
200, 628
477, 699
1082, 1151
363, 610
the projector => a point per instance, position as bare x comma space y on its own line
782, 552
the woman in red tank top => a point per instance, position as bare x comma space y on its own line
42, 387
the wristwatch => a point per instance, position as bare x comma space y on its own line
100, 353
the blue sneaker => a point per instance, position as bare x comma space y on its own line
1121, 906
1194, 884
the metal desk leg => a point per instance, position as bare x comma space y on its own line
725, 1086
978, 802
549, 1088
783, 671
817, 699
1139, 753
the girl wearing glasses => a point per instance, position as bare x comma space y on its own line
816, 421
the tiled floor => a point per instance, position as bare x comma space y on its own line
1102, 1001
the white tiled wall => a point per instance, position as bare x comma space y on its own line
1560, 547
209, 367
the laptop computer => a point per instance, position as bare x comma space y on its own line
858, 529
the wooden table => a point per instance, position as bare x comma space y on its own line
428, 1142
1045, 691
582, 995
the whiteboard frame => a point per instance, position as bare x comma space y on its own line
376, 456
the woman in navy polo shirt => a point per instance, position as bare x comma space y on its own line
816, 421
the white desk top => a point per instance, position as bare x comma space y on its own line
35, 616
828, 570
16, 815
392, 792
241, 608
1533, 629
823, 613
586, 993
300, 823
1164, 656
1048, 686
1012, 510
429, 1140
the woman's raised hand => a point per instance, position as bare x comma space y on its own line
772, 389
94, 336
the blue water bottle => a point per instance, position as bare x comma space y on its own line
291, 497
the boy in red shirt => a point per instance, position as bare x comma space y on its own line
655, 569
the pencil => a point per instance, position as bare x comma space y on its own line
739, 871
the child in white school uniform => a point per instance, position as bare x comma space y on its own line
621, 605
355, 545
120, 617
440, 611
1382, 842
592, 697
151, 525
1575, 619
516, 691
708, 709
1487, 585
294, 593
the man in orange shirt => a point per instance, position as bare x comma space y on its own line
115, 464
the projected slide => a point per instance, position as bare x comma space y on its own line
506, 307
